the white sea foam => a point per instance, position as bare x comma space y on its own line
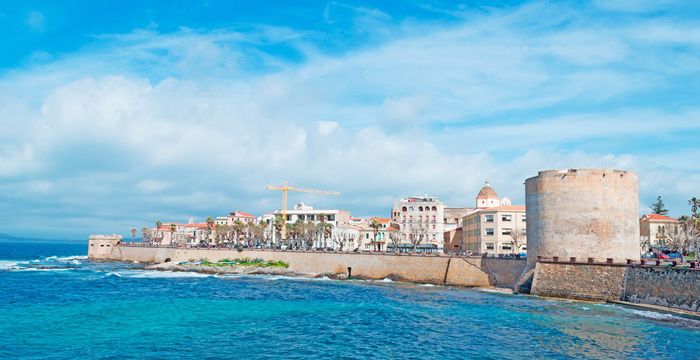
427, 285
386, 280
10, 264
155, 274
70, 258
112, 274
653, 314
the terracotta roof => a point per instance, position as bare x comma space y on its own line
657, 217
487, 192
505, 208
241, 214
382, 220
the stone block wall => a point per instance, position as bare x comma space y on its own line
472, 271
678, 289
579, 281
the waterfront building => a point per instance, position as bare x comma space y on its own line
182, 234
657, 230
420, 222
308, 213
233, 217
495, 227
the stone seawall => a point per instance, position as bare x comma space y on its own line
472, 271
678, 289
579, 281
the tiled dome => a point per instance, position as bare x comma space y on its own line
487, 192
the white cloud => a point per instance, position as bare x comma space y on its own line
173, 126
327, 127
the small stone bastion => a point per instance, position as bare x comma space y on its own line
100, 246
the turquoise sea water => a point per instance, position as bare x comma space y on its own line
56, 304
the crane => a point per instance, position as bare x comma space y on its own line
284, 189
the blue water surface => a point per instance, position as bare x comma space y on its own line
55, 304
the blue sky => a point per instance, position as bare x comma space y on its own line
116, 114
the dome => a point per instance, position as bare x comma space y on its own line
487, 192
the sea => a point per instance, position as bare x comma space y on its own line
57, 304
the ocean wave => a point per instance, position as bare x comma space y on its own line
11, 264
649, 314
155, 274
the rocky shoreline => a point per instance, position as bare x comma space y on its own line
238, 269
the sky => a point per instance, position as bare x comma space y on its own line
118, 113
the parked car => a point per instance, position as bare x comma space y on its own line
662, 256
674, 256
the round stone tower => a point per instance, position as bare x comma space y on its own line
582, 213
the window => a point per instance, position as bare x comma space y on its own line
433, 226
489, 231
488, 218
489, 246
403, 208
434, 208
331, 217
420, 218
506, 231
523, 219
506, 217
506, 247
420, 208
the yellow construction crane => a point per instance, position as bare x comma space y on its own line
284, 189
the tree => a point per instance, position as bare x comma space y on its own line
658, 207
146, 235
133, 234
238, 231
395, 238
685, 240
210, 227
375, 225
519, 238
416, 236
278, 225
694, 205
173, 227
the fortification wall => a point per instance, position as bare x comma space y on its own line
100, 247
582, 213
679, 289
579, 281
413, 268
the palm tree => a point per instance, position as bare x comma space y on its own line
694, 205
173, 227
210, 227
238, 230
278, 224
133, 234
375, 225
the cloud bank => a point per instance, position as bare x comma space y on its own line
152, 125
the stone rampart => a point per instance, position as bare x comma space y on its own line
471, 271
579, 281
679, 289
673, 288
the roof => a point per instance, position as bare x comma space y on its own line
657, 217
487, 192
382, 220
241, 214
505, 208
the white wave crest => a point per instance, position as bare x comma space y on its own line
155, 274
71, 258
653, 314
10, 264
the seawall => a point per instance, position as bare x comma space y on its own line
460, 271
677, 289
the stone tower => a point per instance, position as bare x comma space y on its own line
582, 213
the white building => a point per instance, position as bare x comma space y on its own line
420, 221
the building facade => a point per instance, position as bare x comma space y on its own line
420, 223
657, 230
494, 228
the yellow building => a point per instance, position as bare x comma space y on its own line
656, 230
